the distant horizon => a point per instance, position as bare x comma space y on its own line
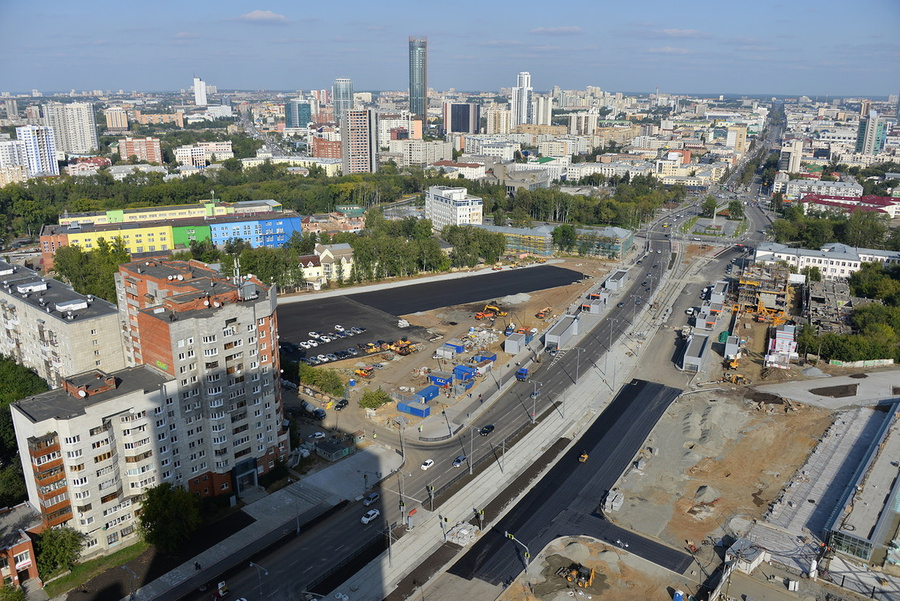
714, 95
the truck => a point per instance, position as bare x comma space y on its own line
509, 329
522, 374
316, 412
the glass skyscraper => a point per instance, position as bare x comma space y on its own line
342, 97
297, 113
418, 76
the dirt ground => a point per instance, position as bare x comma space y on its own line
405, 374
713, 463
617, 576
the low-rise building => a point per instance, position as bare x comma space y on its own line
467, 170
202, 153
52, 329
452, 206
18, 561
146, 149
845, 205
526, 240
336, 260
834, 260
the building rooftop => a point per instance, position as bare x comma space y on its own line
80, 228
61, 404
13, 521
58, 300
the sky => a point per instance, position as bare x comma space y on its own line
780, 47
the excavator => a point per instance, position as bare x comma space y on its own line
365, 372
578, 574
735, 379
495, 309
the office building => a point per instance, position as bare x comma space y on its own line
521, 100
50, 328
12, 108
418, 76
40, 150
870, 135
146, 149
116, 119
199, 92
203, 153
461, 117
737, 138
74, 127
297, 113
359, 141
452, 206
341, 97
158, 118
791, 155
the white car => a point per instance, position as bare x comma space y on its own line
427, 464
313, 334
338, 328
323, 358
324, 339
372, 514
305, 345
317, 435
312, 343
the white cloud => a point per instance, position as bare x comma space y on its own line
565, 30
683, 33
263, 16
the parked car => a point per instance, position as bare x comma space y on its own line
427, 464
371, 499
341, 404
371, 515
338, 328
356, 330
332, 357
317, 435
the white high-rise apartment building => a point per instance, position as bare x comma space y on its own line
12, 153
40, 149
543, 110
498, 121
452, 206
74, 126
359, 141
521, 100
199, 92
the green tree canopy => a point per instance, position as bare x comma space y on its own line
58, 549
373, 399
169, 516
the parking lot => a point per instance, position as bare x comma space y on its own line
296, 321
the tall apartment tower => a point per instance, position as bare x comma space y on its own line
418, 76
543, 110
12, 108
218, 337
359, 141
521, 101
199, 92
297, 113
74, 126
341, 97
40, 149
116, 119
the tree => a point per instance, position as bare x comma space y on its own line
58, 549
12, 485
373, 399
10, 593
708, 208
735, 210
812, 272
564, 237
169, 516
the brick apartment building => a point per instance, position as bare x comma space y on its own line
146, 149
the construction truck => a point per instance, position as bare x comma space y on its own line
509, 329
365, 372
735, 379
577, 574
494, 308
522, 374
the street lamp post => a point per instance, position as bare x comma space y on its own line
133, 577
577, 363
534, 395
513, 538
259, 572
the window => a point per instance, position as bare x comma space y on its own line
73, 439
71, 454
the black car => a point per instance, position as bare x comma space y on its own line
620, 305
341, 404
486, 430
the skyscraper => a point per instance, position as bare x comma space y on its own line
199, 92
297, 113
521, 101
12, 108
870, 135
543, 110
418, 76
40, 149
74, 126
359, 141
342, 97
461, 117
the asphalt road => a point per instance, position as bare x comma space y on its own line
479, 288
566, 500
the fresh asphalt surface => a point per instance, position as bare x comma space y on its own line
567, 500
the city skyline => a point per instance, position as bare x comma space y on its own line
282, 46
